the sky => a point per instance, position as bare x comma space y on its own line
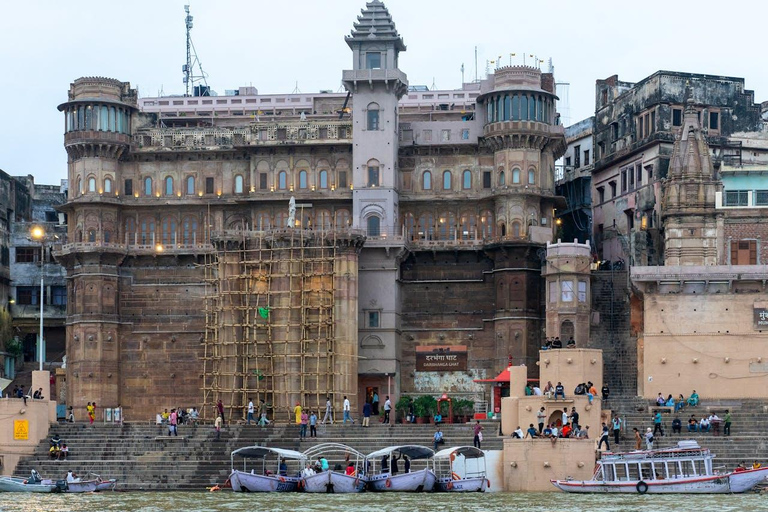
280, 46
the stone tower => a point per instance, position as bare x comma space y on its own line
689, 216
97, 133
568, 291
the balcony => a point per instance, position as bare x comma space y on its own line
369, 75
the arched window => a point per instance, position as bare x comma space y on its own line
540, 115
531, 176
515, 175
342, 219
468, 230
502, 180
107, 237
373, 116
507, 107
323, 220
323, 179
239, 184
89, 117
147, 231
147, 186
91, 184
78, 187
91, 235
516, 229
497, 114
503, 229
427, 227
130, 231
169, 231
302, 179
189, 230
409, 224
446, 226
373, 173
107, 185
489, 111
447, 180
263, 221
103, 119
119, 127
111, 119
486, 224
466, 179
282, 181
524, 107
281, 220
374, 225
81, 118
190, 185
168, 186
515, 107
532, 114
426, 180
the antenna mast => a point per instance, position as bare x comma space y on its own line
188, 69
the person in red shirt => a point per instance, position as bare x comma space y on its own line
350, 471
566, 430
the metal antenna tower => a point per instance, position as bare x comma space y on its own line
192, 61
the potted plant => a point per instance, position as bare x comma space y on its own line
464, 409
401, 407
424, 408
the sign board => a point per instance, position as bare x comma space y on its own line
441, 358
760, 317
21, 430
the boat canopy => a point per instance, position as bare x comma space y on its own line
319, 449
469, 452
261, 452
413, 452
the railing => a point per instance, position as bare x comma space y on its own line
258, 133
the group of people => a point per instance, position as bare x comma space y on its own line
58, 450
554, 343
372, 408
678, 403
305, 418
263, 420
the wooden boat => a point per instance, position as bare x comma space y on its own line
461, 469
32, 484
421, 476
278, 469
91, 483
106, 485
335, 480
685, 469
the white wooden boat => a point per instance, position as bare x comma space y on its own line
31, 484
336, 479
90, 485
107, 485
270, 469
381, 474
461, 469
685, 469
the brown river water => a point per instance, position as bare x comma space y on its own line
381, 502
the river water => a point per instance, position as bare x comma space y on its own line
225, 501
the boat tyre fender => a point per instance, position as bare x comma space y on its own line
641, 487
449, 486
488, 481
282, 479
388, 483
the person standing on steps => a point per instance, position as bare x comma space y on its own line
346, 408
328, 411
657, 424
604, 438
375, 404
263, 421
303, 425
220, 409
638, 439
541, 417
217, 427
367, 409
387, 409
478, 430
173, 422
616, 424
297, 413
312, 424
250, 411
727, 425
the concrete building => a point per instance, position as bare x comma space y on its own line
635, 128
574, 182
452, 190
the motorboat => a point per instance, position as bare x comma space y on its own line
266, 469
461, 469
91, 483
346, 473
686, 468
383, 468
33, 483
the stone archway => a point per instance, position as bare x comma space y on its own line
566, 330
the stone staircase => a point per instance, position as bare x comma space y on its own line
748, 440
142, 456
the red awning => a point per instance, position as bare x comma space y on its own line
502, 377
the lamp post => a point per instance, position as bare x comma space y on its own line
38, 233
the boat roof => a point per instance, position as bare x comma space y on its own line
683, 449
317, 450
260, 452
469, 452
413, 451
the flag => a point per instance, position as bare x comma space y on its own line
264, 312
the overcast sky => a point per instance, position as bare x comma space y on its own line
275, 45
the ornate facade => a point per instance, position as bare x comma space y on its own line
451, 190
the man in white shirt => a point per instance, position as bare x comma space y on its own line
537, 391
328, 408
387, 409
346, 411
541, 417
250, 411
518, 434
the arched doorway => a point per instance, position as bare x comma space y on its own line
566, 330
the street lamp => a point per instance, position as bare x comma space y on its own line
38, 234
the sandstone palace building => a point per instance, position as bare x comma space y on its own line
409, 260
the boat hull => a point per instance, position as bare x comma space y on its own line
107, 485
333, 482
714, 484
250, 482
13, 484
84, 486
463, 485
423, 480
